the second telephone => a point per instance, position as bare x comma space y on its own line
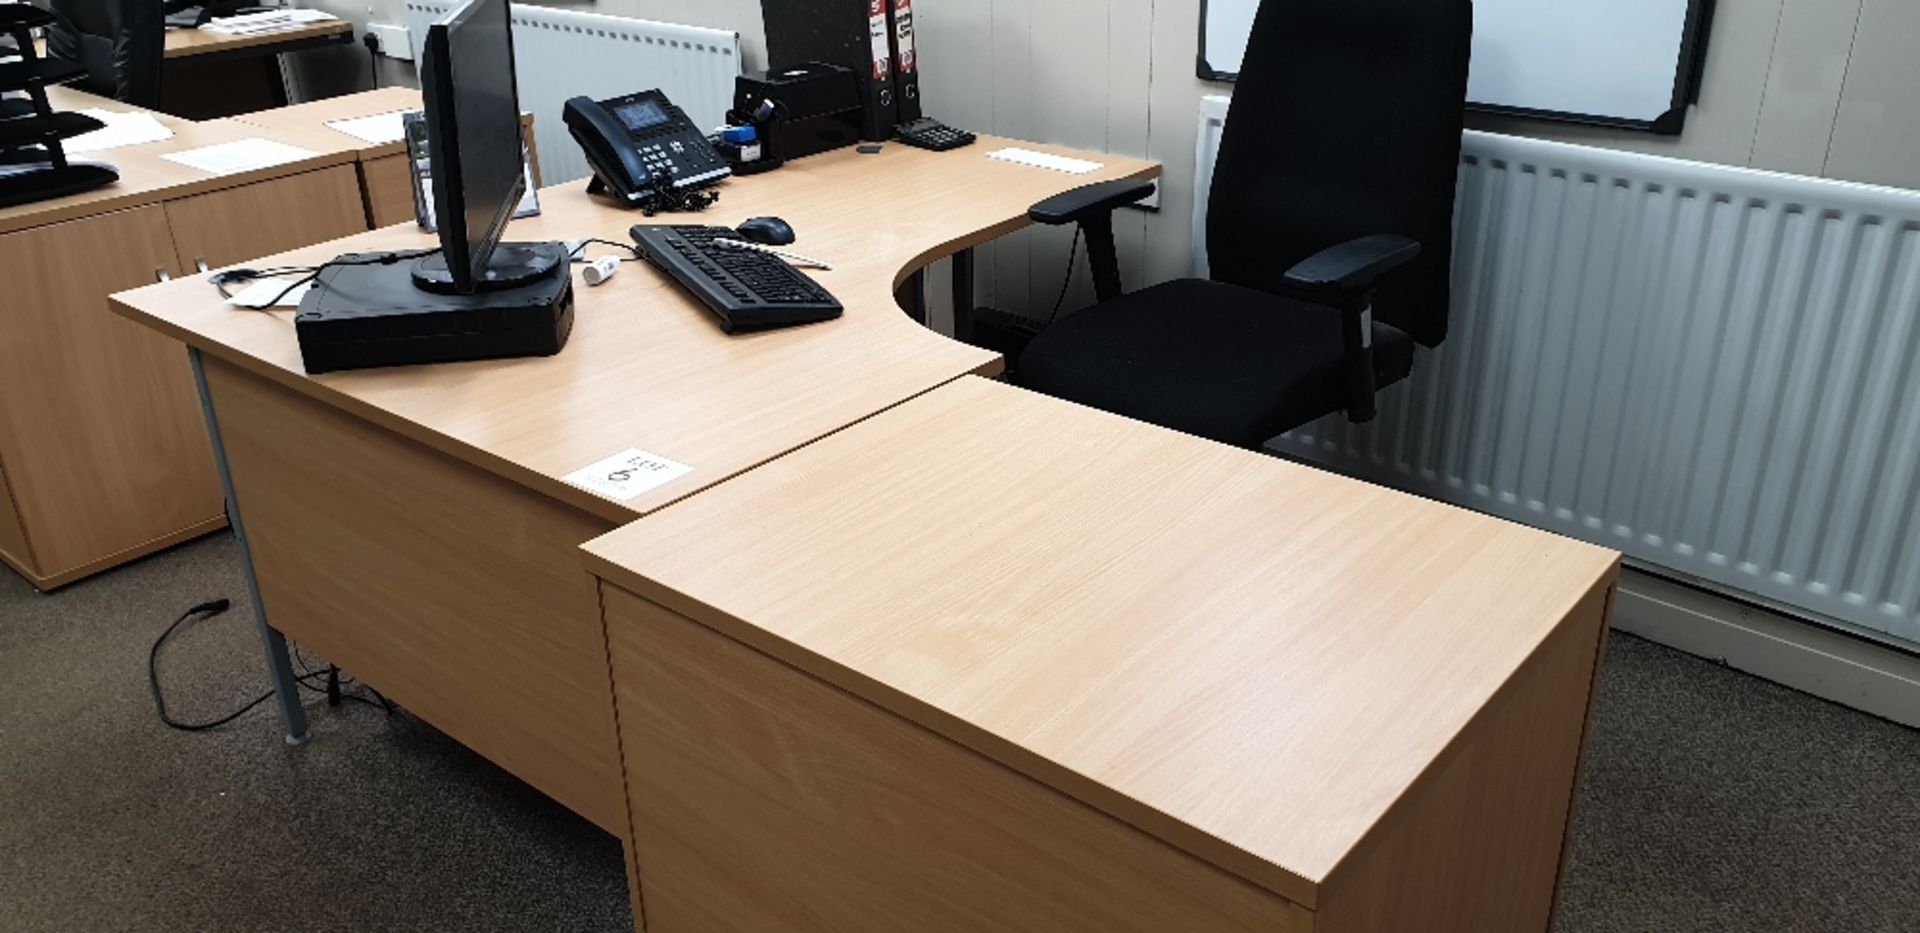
641, 146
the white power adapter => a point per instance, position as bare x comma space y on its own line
600, 270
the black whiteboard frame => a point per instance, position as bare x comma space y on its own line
1687, 76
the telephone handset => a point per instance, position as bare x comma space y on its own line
640, 146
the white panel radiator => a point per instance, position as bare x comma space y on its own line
561, 53
1712, 369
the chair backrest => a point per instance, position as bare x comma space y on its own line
1346, 121
122, 43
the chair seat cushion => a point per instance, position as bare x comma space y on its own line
1221, 361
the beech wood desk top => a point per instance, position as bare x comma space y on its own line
646, 367
1248, 658
314, 116
188, 43
146, 178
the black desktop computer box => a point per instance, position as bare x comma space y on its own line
359, 316
852, 33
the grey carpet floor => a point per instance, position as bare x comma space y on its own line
1711, 801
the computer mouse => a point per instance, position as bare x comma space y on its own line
766, 231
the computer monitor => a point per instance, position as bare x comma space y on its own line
475, 153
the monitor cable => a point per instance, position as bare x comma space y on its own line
306, 274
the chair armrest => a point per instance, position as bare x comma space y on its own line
1350, 270
1088, 200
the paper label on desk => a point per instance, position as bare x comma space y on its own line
626, 475
377, 129
1045, 160
241, 155
121, 129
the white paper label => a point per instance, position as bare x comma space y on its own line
625, 475
1045, 160
377, 129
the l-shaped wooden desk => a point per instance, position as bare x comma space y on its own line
416, 526
419, 527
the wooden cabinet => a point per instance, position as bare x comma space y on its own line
101, 436
13, 536
100, 429
238, 224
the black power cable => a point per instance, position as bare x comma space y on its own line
307, 274
206, 610
372, 42
213, 608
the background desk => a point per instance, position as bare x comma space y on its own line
386, 181
210, 75
993, 661
414, 525
103, 456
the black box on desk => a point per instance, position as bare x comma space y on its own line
816, 108
363, 316
849, 33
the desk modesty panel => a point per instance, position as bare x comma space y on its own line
1146, 682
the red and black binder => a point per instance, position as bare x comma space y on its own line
906, 64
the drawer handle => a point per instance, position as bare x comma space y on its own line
200, 264
162, 275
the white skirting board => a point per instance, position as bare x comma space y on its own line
1847, 670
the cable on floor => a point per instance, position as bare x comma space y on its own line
213, 608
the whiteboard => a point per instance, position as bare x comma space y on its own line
1616, 62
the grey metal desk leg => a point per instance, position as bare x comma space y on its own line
279, 668
963, 295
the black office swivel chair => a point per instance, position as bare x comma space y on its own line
1333, 194
122, 44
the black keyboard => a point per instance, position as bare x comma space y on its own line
746, 289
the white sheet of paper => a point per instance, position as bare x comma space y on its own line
378, 128
241, 155
122, 129
262, 291
627, 474
1044, 160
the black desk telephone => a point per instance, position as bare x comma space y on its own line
642, 148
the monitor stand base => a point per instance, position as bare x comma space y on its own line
513, 265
